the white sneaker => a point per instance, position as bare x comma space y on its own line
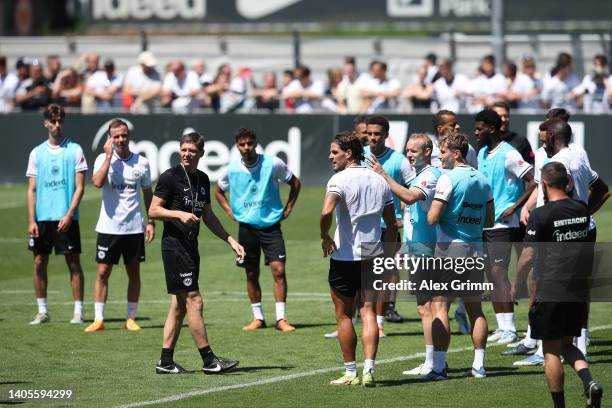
507, 336
495, 336
331, 335
40, 318
422, 369
77, 318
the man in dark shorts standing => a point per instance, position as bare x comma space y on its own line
255, 202
181, 198
359, 197
562, 271
56, 174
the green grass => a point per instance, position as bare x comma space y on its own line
115, 367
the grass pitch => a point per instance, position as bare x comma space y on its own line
115, 367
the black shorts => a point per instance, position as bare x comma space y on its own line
345, 276
498, 244
65, 243
555, 320
254, 240
110, 247
182, 269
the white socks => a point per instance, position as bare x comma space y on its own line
42, 305
429, 353
280, 310
540, 351
505, 321
380, 321
257, 311
439, 361
131, 310
581, 341
368, 366
350, 368
479, 355
509, 321
99, 311
78, 307
528, 341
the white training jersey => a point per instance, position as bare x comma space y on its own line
363, 197
576, 162
121, 210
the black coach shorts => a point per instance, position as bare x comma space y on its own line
182, 269
110, 247
65, 243
254, 240
555, 320
499, 242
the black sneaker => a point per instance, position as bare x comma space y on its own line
392, 316
169, 369
219, 365
593, 395
520, 350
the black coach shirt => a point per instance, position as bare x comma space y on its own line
183, 195
562, 264
521, 144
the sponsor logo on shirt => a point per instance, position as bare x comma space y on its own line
469, 220
570, 221
55, 183
475, 206
122, 187
253, 204
570, 235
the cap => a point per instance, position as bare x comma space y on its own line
147, 59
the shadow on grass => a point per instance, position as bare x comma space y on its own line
12, 402
459, 374
307, 325
14, 382
249, 369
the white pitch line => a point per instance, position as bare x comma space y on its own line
281, 378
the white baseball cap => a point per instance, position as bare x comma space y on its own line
147, 59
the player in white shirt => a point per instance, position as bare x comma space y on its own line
443, 122
360, 197
419, 237
506, 172
555, 135
8, 86
121, 175
450, 88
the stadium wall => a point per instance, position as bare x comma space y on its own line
301, 140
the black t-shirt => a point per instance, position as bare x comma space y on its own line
521, 144
180, 194
560, 229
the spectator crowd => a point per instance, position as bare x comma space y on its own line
92, 86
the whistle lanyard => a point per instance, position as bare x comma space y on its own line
193, 200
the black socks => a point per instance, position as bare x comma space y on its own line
167, 357
207, 354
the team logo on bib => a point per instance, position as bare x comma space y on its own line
137, 174
55, 170
101, 254
253, 189
202, 191
187, 281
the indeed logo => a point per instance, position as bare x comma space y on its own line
122, 187
55, 183
570, 235
145, 9
469, 220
